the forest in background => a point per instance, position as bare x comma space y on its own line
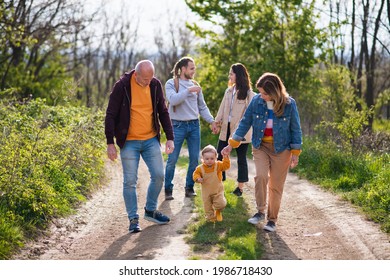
57, 70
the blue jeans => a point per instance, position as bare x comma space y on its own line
130, 156
189, 131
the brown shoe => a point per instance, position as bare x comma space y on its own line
168, 195
190, 193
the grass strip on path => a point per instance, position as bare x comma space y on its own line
232, 239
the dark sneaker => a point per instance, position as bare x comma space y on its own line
256, 218
270, 226
134, 226
168, 195
237, 192
156, 217
190, 193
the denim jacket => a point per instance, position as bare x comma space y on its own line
287, 132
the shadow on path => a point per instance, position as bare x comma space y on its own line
156, 241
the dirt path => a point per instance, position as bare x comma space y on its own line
100, 228
313, 225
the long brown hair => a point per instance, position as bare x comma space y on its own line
243, 80
274, 87
183, 62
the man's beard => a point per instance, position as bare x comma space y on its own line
187, 76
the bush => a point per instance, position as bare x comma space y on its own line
361, 178
374, 197
51, 158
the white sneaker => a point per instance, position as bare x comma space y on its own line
270, 226
256, 218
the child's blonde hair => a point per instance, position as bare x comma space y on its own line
209, 149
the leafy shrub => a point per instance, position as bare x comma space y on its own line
51, 158
346, 183
374, 197
361, 178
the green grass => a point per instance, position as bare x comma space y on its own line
231, 239
362, 179
181, 162
11, 235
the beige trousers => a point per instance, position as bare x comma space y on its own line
271, 171
212, 193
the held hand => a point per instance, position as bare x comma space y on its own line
169, 147
111, 152
199, 180
218, 127
214, 128
194, 89
226, 151
294, 161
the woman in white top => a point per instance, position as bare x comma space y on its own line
234, 103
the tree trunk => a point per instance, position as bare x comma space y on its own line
371, 65
351, 63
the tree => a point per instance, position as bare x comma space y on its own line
266, 36
171, 50
370, 55
33, 53
373, 47
107, 56
222, 44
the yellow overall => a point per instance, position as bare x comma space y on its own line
212, 193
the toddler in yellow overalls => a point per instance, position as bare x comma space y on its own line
209, 174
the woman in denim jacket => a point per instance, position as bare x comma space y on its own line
276, 142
